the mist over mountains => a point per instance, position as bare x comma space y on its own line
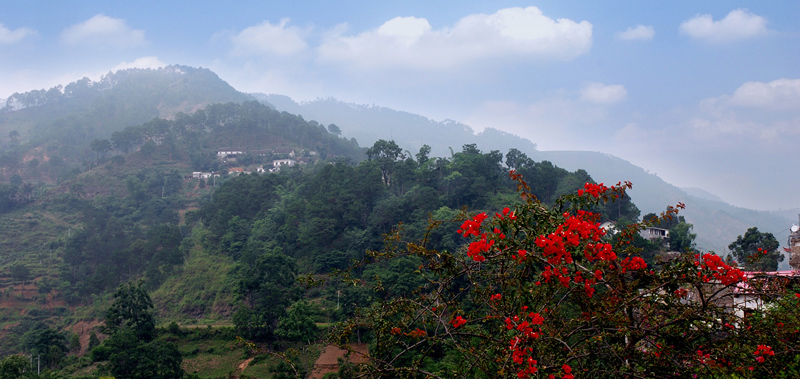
716, 223
79, 112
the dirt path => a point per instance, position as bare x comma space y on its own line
241, 368
328, 360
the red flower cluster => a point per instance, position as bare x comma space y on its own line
599, 251
523, 356
476, 248
458, 321
506, 210
472, 227
761, 351
567, 372
720, 270
593, 189
575, 229
633, 263
524, 326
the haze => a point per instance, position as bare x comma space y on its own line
703, 94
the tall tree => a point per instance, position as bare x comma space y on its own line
132, 309
134, 354
681, 237
386, 154
266, 289
757, 251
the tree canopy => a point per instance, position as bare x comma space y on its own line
757, 251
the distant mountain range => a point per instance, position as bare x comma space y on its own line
716, 223
79, 112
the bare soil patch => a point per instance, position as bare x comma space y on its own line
328, 360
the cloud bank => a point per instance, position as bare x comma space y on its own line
103, 31
269, 39
411, 42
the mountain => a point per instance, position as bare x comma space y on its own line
48, 133
83, 110
701, 193
62, 121
716, 223
369, 123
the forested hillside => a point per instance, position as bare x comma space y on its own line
234, 216
717, 223
229, 247
46, 134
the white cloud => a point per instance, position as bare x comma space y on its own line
638, 33
781, 94
599, 93
737, 25
269, 39
756, 110
143, 62
8, 36
411, 42
102, 30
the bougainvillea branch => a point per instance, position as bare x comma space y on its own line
544, 292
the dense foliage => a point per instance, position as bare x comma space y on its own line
757, 251
541, 291
132, 350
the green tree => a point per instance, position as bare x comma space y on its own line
93, 340
266, 289
132, 309
334, 129
74, 343
681, 237
298, 323
16, 367
131, 349
100, 147
130, 359
47, 344
20, 272
386, 154
757, 251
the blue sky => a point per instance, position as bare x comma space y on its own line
704, 94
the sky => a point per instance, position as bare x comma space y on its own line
701, 93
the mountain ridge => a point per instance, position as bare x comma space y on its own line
184, 88
716, 223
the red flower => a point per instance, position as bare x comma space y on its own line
458, 321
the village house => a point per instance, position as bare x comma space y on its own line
284, 152
225, 154
204, 175
653, 233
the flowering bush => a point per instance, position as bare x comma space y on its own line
543, 292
